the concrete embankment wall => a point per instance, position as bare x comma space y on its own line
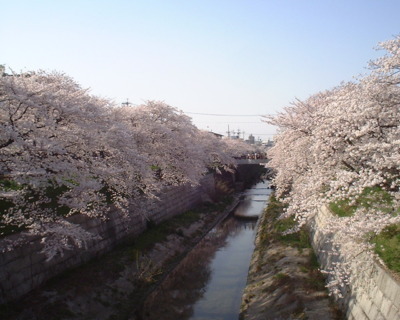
25, 267
372, 294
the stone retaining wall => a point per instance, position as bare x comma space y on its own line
25, 268
373, 294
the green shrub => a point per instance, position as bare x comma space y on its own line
387, 245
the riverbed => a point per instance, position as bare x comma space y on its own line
209, 281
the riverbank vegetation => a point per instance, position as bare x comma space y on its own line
274, 230
386, 244
341, 148
284, 280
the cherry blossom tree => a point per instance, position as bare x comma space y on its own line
179, 152
221, 153
336, 145
167, 137
64, 151
58, 145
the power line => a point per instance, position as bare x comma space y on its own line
225, 115
263, 134
229, 122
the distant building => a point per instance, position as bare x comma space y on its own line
219, 136
251, 139
268, 144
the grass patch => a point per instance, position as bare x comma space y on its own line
9, 185
273, 228
281, 277
159, 232
342, 208
272, 212
371, 197
280, 280
315, 279
387, 245
299, 239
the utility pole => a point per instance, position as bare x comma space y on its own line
127, 103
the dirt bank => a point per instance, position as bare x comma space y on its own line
284, 281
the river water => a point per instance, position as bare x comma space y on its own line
209, 282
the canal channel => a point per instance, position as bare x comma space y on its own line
209, 282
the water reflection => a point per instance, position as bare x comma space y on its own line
255, 199
249, 207
208, 283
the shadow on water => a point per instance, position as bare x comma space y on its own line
208, 283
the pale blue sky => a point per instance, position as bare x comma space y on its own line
241, 57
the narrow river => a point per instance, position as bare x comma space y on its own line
208, 283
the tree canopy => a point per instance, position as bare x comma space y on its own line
338, 144
64, 151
